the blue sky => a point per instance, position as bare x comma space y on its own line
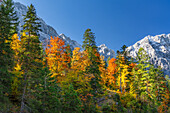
114, 22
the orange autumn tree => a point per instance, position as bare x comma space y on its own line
103, 71
57, 59
112, 69
108, 77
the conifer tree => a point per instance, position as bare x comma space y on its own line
90, 47
8, 19
141, 75
8, 25
71, 102
124, 54
31, 56
48, 94
89, 40
31, 26
148, 85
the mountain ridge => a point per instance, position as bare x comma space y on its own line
158, 49
48, 31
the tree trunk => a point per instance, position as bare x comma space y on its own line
23, 95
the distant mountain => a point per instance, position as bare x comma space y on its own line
48, 31
105, 51
158, 49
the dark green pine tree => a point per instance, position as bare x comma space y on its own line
8, 19
71, 101
89, 40
31, 58
124, 54
8, 26
89, 45
48, 95
31, 26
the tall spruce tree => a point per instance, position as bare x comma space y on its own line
124, 53
89, 45
31, 26
8, 26
8, 19
31, 57
89, 40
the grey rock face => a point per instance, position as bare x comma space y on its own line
67, 40
158, 49
48, 31
106, 52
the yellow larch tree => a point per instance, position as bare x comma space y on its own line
80, 60
16, 47
122, 72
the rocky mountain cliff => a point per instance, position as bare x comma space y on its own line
48, 31
105, 51
158, 49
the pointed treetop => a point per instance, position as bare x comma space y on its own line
31, 26
89, 39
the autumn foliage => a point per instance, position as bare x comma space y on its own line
58, 79
57, 59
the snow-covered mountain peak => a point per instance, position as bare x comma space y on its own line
105, 51
102, 45
158, 49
